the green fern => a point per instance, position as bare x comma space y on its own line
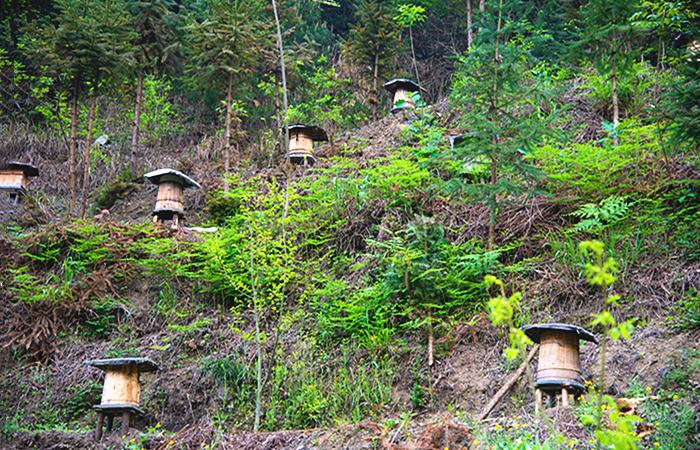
594, 218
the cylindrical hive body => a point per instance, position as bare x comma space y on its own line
171, 198
406, 96
13, 179
122, 386
559, 361
300, 144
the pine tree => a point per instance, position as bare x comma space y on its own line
88, 43
226, 43
155, 25
372, 44
503, 109
607, 41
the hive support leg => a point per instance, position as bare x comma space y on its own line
98, 429
176, 220
110, 422
564, 397
538, 401
155, 219
125, 423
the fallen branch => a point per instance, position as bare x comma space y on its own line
511, 381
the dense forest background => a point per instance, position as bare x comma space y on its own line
547, 173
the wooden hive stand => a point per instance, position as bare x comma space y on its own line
402, 90
121, 394
559, 366
170, 203
301, 143
14, 177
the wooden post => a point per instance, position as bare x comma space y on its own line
98, 429
125, 422
538, 401
564, 397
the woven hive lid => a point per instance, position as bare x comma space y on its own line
143, 364
28, 169
316, 133
171, 175
402, 83
534, 332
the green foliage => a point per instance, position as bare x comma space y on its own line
598, 170
680, 102
154, 24
620, 429
160, 116
324, 98
502, 311
89, 41
316, 389
372, 44
430, 275
409, 15
506, 110
225, 40
606, 34
347, 313
686, 315
594, 218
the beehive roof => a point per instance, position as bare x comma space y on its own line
144, 364
28, 169
457, 139
402, 83
162, 175
534, 332
316, 133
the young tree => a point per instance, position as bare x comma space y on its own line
283, 71
154, 23
372, 44
607, 41
87, 43
409, 15
504, 109
470, 24
226, 43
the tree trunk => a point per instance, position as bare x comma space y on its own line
615, 103
493, 214
285, 102
135, 133
430, 341
375, 86
413, 52
227, 132
258, 369
71, 156
86, 159
494, 139
278, 113
470, 23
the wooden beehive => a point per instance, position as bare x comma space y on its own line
301, 143
559, 364
171, 184
122, 387
402, 90
14, 176
171, 197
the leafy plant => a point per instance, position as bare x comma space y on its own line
593, 218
